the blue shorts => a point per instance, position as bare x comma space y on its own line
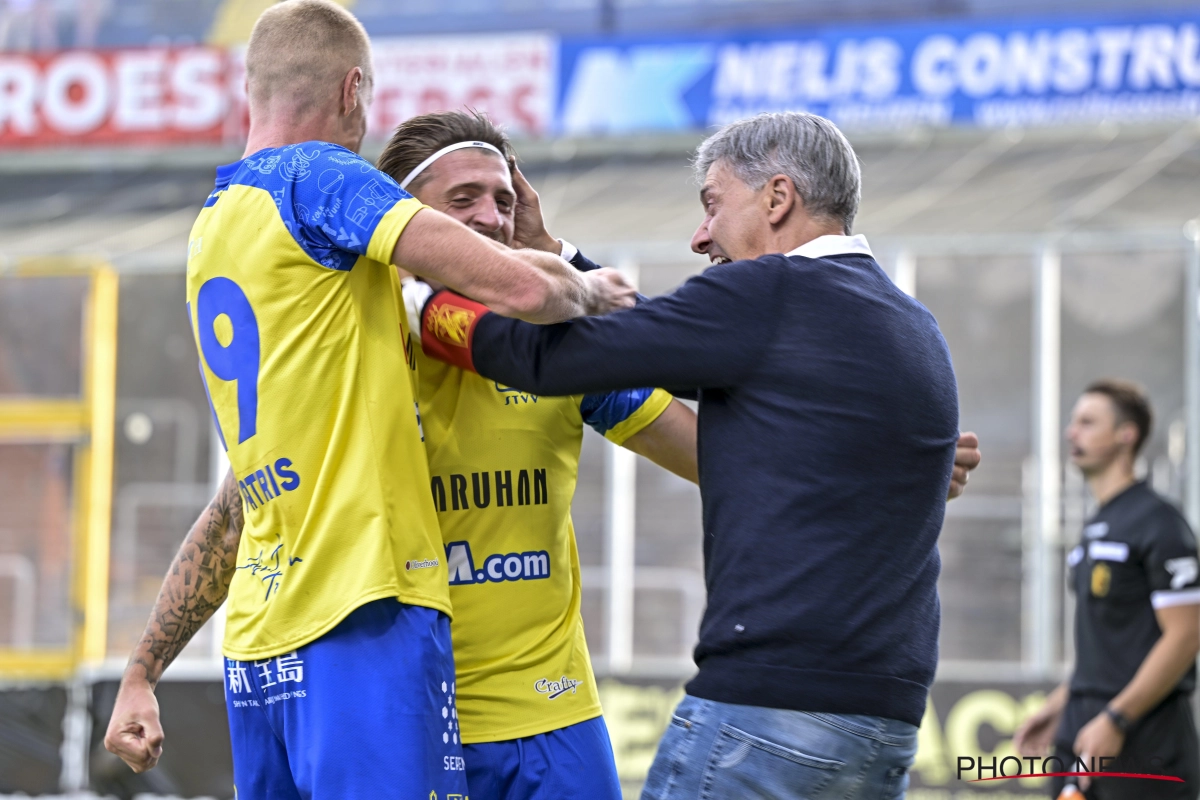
366, 711
571, 763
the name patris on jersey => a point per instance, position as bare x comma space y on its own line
260, 487
532, 565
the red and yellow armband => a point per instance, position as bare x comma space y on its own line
448, 328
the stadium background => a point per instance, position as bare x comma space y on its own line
1032, 179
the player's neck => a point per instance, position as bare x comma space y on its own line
282, 130
1112, 481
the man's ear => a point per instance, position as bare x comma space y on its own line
351, 90
1127, 433
781, 198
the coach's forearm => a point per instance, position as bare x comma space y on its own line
708, 332
196, 585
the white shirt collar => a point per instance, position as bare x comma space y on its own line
834, 245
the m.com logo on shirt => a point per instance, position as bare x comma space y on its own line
531, 565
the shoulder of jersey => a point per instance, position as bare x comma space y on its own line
328, 165
1150, 506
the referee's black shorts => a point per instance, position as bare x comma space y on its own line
1163, 742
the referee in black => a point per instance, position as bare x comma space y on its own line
1127, 707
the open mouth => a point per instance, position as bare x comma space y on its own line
720, 260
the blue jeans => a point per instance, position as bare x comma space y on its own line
718, 751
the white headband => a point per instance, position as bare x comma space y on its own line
424, 165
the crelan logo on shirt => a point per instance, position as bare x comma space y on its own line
450, 323
554, 689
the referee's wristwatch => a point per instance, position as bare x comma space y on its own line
1120, 720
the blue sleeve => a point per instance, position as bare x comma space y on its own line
710, 333
607, 410
583, 263
331, 200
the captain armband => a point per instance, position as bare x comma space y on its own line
448, 327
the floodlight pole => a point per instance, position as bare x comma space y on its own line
905, 272
621, 521
1191, 373
1041, 567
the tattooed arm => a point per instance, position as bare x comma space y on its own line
195, 586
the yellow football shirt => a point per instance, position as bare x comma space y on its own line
295, 312
504, 465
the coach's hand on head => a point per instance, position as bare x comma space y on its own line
530, 227
134, 731
966, 458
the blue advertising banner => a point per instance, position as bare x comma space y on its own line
975, 74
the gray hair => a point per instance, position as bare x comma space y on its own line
808, 149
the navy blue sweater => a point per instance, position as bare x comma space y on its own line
827, 427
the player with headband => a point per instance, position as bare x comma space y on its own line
503, 467
424, 165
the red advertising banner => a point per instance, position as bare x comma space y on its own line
196, 95
509, 76
142, 96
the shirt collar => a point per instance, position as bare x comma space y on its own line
225, 173
834, 245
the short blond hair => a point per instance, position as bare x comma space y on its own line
303, 49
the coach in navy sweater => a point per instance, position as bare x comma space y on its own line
827, 428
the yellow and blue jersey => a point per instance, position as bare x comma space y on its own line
503, 468
296, 314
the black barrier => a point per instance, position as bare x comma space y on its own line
31, 735
976, 721
964, 720
196, 759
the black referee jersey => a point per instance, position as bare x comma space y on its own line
1137, 555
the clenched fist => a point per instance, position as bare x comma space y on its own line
134, 732
608, 290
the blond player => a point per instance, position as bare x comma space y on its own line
324, 536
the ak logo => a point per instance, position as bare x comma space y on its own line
450, 323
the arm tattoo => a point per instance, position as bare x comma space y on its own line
196, 583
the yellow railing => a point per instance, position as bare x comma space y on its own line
88, 421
